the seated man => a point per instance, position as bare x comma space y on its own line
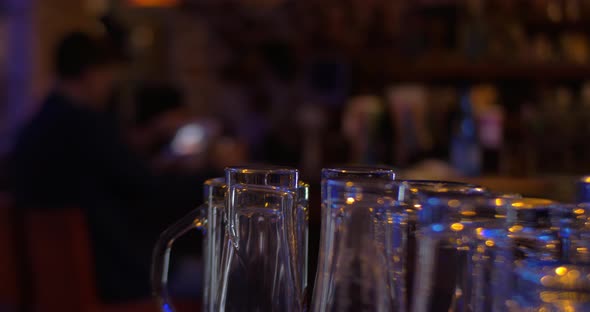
71, 154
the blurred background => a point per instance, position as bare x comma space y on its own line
310, 83
491, 92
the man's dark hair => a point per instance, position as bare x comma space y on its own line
77, 52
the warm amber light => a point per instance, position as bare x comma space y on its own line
573, 274
561, 271
531, 202
499, 202
579, 211
516, 228
546, 280
456, 227
548, 296
454, 203
350, 200
490, 243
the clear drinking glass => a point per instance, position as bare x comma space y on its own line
359, 208
529, 237
447, 227
407, 253
210, 218
264, 251
207, 218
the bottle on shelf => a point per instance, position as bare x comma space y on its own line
465, 150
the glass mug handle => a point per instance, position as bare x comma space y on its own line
195, 219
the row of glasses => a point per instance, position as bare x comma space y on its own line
385, 245
377, 251
445, 247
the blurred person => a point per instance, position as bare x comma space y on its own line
159, 112
72, 154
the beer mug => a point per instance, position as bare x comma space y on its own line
212, 219
265, 246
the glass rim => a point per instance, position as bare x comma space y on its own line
356, 171
450, 194
219, 182
364, 183
262, 169
443, 182
445, 187
269, 175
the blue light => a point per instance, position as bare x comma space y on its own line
438, 228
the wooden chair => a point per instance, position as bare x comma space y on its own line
62, 267
10, 279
